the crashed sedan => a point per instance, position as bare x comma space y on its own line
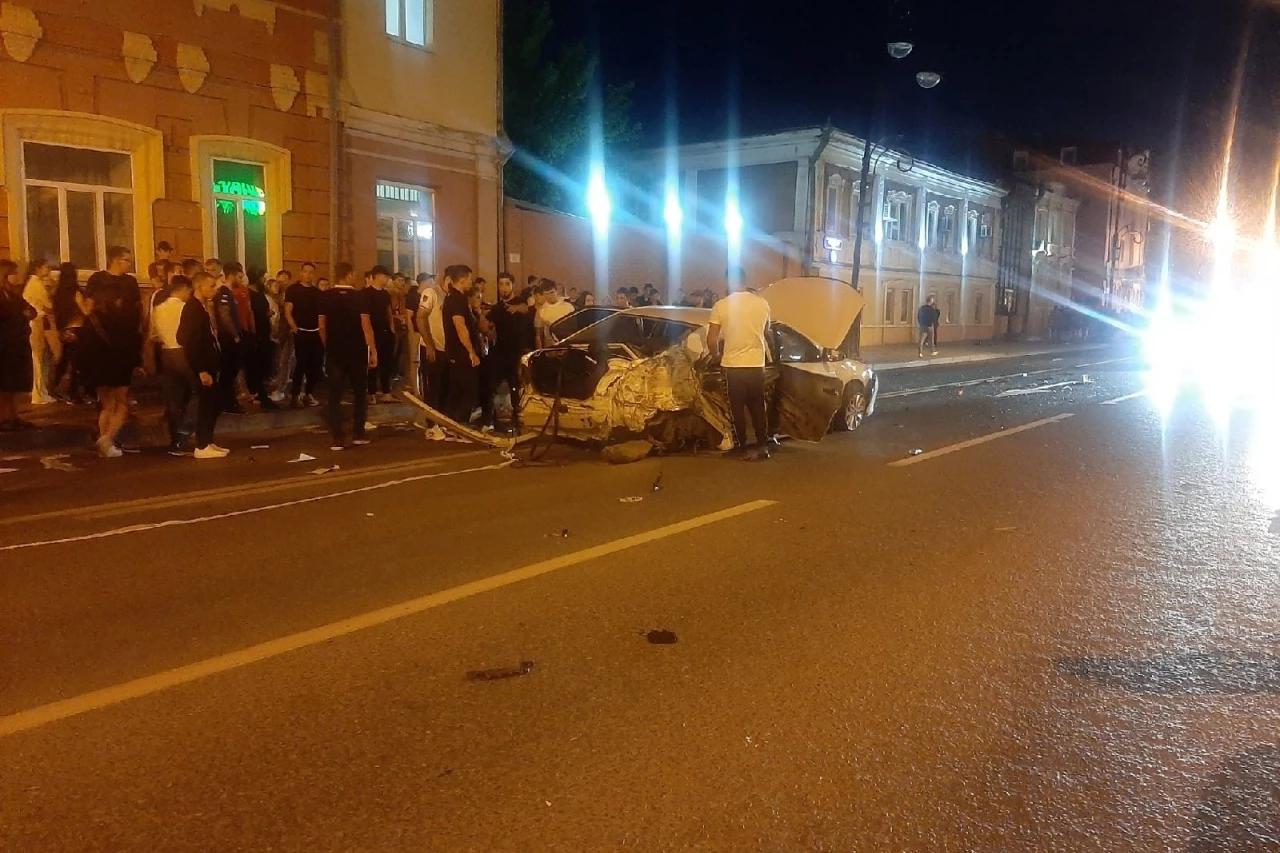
645, 373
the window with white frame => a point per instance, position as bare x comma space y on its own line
971, 232
985, 241
410, 21
897, 215
905, 306
831, 222
931, 224
888, 305
406, 229
949, 307
79, 203
980, 309
240, 213
947, 232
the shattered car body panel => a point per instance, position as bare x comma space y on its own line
643, 373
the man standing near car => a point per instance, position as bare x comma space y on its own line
461, 329
741, 321
346, 332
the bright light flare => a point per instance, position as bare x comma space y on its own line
733, 220
672, 213
599, 204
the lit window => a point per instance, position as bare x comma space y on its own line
240, 213
406, 229
905, 306
897, 215
79, 202
409, 20
949, 315
888, 306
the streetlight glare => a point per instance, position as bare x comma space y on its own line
598, 202
733, 220
672, 213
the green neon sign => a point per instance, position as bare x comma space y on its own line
238, 188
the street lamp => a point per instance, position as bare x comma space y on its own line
926, 80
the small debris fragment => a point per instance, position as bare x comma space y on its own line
633, 499
501, 673
661, 638
55, 463
1087, 379
1005, 529
657, 483
960, 393
326, 470
8, 470
563, 534
368, 515
303, 457
916, 452
259, 446
626, 452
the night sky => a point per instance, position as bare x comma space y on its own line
1150, 72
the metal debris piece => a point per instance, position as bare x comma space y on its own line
8, 470
463, 432
501, 673
916, 452
661, 638
326, 470
633, 499
259, 446
657, 483
303, 457
55, 463
368, 515
626, 452
1005, 529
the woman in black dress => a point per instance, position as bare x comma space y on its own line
16, 373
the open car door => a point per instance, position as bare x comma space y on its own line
806, 401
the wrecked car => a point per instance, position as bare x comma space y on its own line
646, 373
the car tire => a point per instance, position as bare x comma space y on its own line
853, 409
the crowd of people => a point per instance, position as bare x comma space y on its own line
217, 337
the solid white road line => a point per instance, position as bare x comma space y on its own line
1125, 398
182, 522
974, 442
45, 714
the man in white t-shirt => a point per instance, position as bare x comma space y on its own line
741, 321
434, 363
553, 308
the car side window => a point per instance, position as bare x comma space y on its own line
793, 347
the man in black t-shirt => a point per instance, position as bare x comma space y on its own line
378, 301
460, 328
302, 313
508, 316
350, 352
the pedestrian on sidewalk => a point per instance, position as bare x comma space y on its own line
259, 348
230, 338
158, 268
176, 378
16, 366
507, 316
198, 337
282, 370
381, 316
433, 358
346, 331
38, 296
68, 318
927, 325
302, 313
114, 339
741, 321
461, 329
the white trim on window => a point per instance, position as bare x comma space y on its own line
276, 165
145, 146
410, 22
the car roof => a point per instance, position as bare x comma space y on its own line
681, 314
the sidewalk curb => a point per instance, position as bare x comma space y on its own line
985, 356
149, 430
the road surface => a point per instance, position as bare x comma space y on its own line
1052, 629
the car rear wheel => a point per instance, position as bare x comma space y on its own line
854, 409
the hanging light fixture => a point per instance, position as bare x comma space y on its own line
928, 79
900, 49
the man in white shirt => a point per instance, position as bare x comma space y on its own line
741, 321
433, 361
176, 379
553, 308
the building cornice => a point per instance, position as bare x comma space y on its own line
426, 136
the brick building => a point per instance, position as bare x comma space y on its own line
231, 128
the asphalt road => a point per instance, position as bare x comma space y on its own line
1053, 629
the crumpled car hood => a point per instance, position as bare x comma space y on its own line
821, 309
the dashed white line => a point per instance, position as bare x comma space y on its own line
974, 442
1125, 398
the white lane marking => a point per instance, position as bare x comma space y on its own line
1108, 361
974, 442
54, 711
181, 522
1039, 389
1125, 398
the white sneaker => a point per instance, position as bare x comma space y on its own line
277, 397
109, 451
42, 401
369, 426
359, 442
935, 352
212, 451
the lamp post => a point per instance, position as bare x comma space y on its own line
924, 79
